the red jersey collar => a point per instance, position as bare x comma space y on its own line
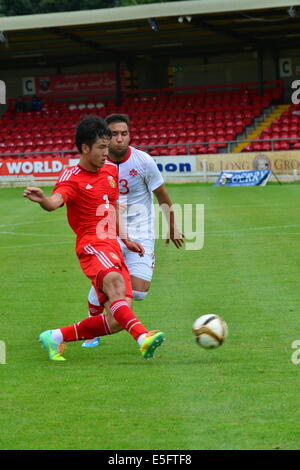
90, 172
127, 156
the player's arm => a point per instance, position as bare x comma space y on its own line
48, 203
166, 205
122, 233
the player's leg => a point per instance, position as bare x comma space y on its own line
94, 308
89, 328
114, 286
141, 281
92, 264
141, 272
143, 269
114, 283
101, 324
140, 268
94, 305
140, 288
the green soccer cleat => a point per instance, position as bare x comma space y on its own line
152, 340
53, 348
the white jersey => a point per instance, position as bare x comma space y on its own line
138, 177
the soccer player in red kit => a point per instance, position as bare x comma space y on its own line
90, 192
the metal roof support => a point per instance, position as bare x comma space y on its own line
260, 70
118, 91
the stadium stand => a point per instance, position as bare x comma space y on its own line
165, 122
280, 131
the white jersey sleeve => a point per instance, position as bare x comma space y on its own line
153, 177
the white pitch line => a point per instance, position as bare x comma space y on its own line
192, 236
244, 231
238, 206
71, 243
36, 234
188, 235
35, 244
250, 229
34, 222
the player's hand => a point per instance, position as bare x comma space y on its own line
134, 246
34, 194
176, 236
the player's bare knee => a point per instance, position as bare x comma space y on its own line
113, 325
140, 287
114, 286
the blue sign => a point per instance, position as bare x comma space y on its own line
243, 178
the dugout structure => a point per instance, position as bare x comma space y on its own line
184, 43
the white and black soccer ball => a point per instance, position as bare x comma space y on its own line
210, 331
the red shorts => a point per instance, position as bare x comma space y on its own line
97, 260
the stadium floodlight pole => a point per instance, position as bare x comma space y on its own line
118, 90
260, 70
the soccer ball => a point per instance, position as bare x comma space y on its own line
210, 331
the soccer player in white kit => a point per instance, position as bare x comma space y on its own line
139, 178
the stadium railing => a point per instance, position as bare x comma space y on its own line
189, 149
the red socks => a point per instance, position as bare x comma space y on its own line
126, 318
97, 325
94, 309
86, 329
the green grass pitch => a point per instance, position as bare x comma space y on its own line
244, 395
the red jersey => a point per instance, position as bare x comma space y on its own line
91, 200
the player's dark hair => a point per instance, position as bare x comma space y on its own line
114, 118
89, 129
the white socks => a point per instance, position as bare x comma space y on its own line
57, 336
137, 295
140, 339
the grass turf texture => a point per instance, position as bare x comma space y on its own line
244, 395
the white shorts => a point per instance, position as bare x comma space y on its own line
141, 267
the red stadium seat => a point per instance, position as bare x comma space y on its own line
182, 150
212, 149
187, 117
284, 145
266, 146
154, 152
